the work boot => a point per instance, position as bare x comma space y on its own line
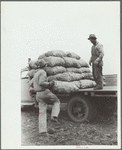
98, 87
51, 131
55, 123
43, 134
55, 120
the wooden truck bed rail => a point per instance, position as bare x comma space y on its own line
106, 91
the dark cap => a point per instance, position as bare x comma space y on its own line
92, 36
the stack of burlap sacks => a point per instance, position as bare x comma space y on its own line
68, 71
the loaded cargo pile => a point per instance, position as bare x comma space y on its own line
68, 70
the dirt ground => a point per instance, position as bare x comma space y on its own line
101, 131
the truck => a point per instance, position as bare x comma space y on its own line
83, 104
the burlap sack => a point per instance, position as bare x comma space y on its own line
54, 61
87, 84
83, 63
52, 78
55, 53
33, 64
69, 76
87, 76
77, 83
72, 55
54, 70
64, 87
42, 63
60, 77
42, 56
71, 62
79, 70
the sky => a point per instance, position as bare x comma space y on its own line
29, 29
33, 28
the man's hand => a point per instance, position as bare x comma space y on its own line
32, 90
96, 62
90, 62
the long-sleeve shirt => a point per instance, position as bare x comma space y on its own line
97, 53
40, 81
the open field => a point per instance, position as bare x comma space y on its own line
101, 131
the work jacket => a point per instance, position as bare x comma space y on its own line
97, 53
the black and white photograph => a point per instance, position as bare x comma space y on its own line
60, 75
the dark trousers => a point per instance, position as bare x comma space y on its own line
97, 74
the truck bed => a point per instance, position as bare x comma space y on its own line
110, 91
105, 88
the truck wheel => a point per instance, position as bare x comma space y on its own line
80, 109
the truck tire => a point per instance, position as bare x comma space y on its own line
80, 109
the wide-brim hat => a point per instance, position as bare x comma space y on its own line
92, 36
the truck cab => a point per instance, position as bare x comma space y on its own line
26, 99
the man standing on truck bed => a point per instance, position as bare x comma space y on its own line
44, 96
97, 54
